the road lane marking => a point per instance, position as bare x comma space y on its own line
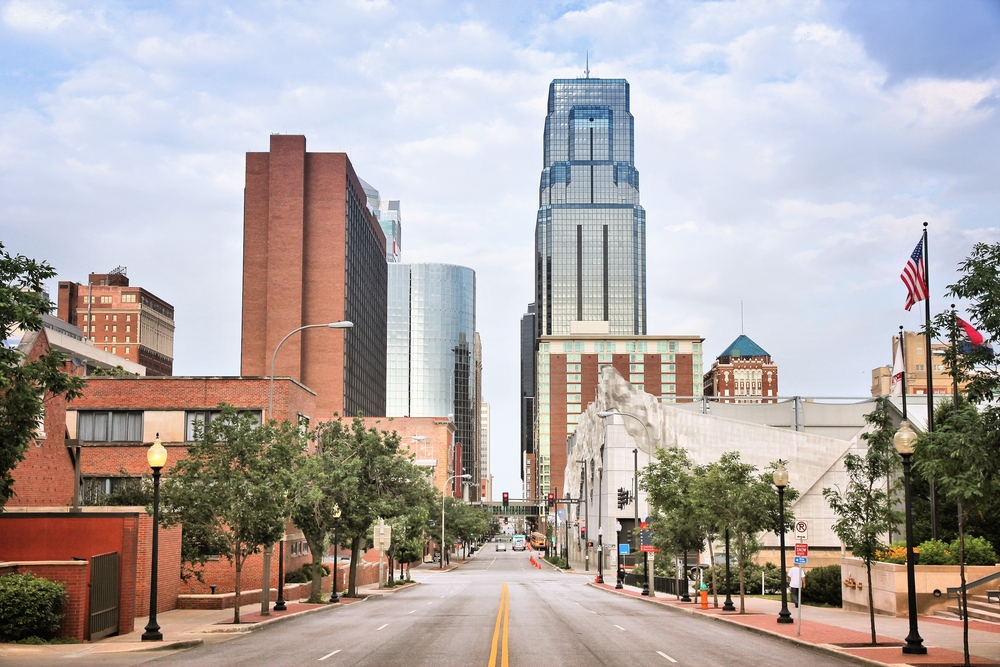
431, 602
410, 612
381, 626
666, 656
619, 627
330, 655
503, 618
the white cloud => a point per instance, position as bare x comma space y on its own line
35, 16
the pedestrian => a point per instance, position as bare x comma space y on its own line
621, 573
797, 582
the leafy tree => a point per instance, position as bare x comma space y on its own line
25, 384
321, 482
229, 493
117, 372
384, 481
865, 508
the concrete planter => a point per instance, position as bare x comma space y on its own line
889, 585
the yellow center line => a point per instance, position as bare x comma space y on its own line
503, 613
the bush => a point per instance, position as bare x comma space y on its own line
978, 551
823, 586
303, 575
30, 607
558, 562
936, 552
895, 553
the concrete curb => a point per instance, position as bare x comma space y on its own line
376, 592
821, 648
156, 646
254, 627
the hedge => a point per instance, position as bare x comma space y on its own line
30, 607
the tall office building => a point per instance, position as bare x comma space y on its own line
431, 356
386, 211
528, 401
314, 253
590, 234
121, 319
485, 476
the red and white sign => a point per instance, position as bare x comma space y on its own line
801, 531
801, 549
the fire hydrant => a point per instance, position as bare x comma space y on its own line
704, 595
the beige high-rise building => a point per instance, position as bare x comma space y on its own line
915, 353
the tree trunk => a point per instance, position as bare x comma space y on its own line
965, 593
316, 551
871, 600
740, 550
236, 588
352, 584
711, 559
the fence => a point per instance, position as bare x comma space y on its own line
666, 585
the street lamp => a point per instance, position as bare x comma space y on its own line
903, 441
586, 519
336, 543
618, 570
728, 604
443, 490
781, 481
270, 393
279, 604
156, 456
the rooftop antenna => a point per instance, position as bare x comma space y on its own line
741, 318
586, 72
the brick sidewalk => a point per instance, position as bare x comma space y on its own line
828, 637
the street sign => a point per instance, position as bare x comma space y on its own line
802, 549
801, 531
624, 550
649, 549
801, 560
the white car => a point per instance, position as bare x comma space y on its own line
501, 546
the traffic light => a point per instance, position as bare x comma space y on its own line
551, 499
506, 498
621, 498
583, 532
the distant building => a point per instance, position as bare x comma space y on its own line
744, 371
915, 354
528, 401
387, 214
569, 373
127, 321
430, 440
313, 253
431, 356
485, 476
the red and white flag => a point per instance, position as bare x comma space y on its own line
914, 276
898, 370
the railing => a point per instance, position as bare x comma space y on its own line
953, 591
666, 585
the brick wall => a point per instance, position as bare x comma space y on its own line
168, 562
72, 574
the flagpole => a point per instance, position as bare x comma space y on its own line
930, 375
954, 354
902, 355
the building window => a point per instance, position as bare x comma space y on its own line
573, 368
668, 357
128, 339
128, 318
635, 377
668, 368
114, 350
573, 407
573, 398
126, 349
109, 426
573, 378
668, 377
194, 416
114, 328
128, 298
606, 358
570, 388
97, 489
105, 299
635, 368
128, 328
669, 389
696, 347
919, 367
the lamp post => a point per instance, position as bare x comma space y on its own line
728, 604
903, 441
270, 391
336, 543
156, 456
618, 579
781, 481
279, 604
443, 491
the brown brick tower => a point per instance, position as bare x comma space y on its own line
313, 253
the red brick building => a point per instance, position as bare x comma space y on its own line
313, 253
744, 371
121, 319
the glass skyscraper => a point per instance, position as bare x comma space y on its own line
430, 361
590, 234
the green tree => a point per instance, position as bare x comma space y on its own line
384, 481
865, 508
321, 482
230, 492
25, 384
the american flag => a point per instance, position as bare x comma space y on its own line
914, 277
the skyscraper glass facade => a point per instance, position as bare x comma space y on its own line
590, 234
430, 360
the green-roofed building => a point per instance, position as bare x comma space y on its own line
744, 371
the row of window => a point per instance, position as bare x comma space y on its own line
125, 298
126, 425
112, 318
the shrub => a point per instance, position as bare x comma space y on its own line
303, 575
894, 553
823, 586
978, 551
30, 606
936, 552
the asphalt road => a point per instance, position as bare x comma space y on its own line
470, 615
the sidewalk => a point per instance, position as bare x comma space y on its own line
181, 629
847, 633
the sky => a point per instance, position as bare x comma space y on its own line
788, 151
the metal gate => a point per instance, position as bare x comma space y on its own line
103, 595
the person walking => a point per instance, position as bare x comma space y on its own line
797, 582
